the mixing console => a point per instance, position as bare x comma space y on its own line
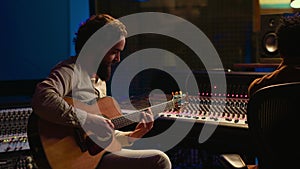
13, 124
220, 111
14, 146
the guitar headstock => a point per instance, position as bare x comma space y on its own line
179, 99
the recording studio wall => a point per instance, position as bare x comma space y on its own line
35, 35
228, 24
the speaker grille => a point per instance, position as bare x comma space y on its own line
268, 45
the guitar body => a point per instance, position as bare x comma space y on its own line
56, 146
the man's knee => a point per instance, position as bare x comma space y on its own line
163, 161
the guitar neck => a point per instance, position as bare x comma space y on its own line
135, 116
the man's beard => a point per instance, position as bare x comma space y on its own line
104, 71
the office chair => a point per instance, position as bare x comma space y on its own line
273, 125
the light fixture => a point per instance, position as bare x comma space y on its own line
295, 3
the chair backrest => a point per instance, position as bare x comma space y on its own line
273, 122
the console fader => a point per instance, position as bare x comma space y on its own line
212, 106
14, 147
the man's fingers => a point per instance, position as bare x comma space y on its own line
110, 123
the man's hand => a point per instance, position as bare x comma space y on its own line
99, 129
142, 127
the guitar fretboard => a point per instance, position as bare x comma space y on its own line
135, 116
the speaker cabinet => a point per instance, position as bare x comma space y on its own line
268, 45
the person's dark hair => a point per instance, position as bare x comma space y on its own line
91, 25
288, 33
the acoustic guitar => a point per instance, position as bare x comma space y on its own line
61, 147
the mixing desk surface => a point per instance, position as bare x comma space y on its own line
13, 129
220, 111
14, 146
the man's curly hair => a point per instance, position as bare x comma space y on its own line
94, 23
288, 34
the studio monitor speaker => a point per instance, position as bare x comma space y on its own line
268, 45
